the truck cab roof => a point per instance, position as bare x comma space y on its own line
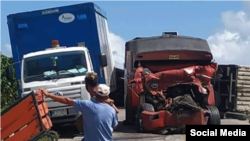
167, 42
169, 46
54, 50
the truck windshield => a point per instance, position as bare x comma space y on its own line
55, 66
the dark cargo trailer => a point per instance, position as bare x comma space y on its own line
233, 85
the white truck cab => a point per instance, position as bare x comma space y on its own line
57, 69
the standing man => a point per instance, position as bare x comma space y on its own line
99, 117
91, 81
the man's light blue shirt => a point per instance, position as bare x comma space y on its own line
98, 119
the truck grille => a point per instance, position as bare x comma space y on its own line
72, 92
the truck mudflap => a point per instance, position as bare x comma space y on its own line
153, 121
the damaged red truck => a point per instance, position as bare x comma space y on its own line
168, 83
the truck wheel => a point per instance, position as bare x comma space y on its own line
214, 117
139, 123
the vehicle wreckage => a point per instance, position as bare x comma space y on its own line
168, 83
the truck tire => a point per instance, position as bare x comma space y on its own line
214, 117
234, 115
139, 123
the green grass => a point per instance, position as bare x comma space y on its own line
46, 138
3, 109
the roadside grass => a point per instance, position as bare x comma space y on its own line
44, 139
47, 138
2, 109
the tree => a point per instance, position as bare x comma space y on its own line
9, 92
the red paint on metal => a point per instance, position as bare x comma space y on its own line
197, 75
22, 121
163, 119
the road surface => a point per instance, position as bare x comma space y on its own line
125, 133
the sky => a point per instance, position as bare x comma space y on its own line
225, 25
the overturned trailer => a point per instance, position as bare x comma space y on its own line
168, 83
232, 83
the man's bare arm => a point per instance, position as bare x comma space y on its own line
116, 109
111, 103
59, 99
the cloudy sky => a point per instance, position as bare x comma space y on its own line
225, 25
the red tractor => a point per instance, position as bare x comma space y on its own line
168, 83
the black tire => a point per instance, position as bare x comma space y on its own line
234, 115
139, 123
214, 116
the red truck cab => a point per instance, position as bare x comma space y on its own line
168, 82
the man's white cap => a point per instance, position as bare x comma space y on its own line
102, 90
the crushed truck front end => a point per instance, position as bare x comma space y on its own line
168, 83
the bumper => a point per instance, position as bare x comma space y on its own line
160, 120
70, 116
65, 119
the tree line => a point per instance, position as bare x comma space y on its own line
9, 92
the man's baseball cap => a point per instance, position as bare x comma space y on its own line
102, 90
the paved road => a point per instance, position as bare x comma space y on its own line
124, 133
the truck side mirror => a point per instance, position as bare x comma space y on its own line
103, 60
9, 73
